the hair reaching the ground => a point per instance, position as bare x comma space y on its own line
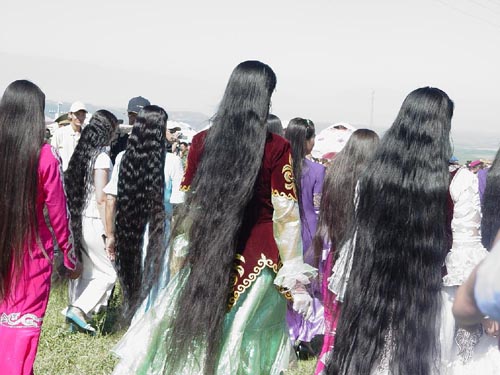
222, 187
490, 222
140, 203
79, 177
393, 296
22, 129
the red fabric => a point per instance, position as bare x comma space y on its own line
256, 246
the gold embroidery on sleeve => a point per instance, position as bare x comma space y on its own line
288, 175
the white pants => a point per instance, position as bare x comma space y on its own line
91, 291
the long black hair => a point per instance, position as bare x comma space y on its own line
141, 186
22, 130
393, 296
299, 131
490, 222
337, 198
222, 187
79, 177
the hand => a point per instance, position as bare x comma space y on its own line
302, 301
109, 244
491, 327
75, 274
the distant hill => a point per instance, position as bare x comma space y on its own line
467, 145
197, 120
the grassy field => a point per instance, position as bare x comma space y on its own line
63, 353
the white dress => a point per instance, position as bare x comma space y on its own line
465, 352
462, 352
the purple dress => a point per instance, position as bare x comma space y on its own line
482, 174
312, 178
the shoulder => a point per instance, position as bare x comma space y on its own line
276, 145
463, 180
103, 161
48, 154
119, 157
64, 130
315, 167
199, 139
464, 177
49, 158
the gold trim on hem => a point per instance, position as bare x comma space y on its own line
262, 263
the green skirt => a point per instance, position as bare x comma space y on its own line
255, 337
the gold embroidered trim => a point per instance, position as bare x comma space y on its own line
262, 263
185, 188
288, 175
277, 193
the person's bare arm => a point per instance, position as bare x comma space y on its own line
110, 225
465, 308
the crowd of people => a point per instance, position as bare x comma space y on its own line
238, 253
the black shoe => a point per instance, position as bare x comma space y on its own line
304, 351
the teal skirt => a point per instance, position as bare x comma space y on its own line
255, 338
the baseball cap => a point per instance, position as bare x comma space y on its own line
173, 127
475, 163
137, 103
77, 106
63, 119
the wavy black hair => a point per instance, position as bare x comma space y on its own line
79, 177
141, 186
337, 198
299, 131
22, 130
222, 187
274, 125
393, 297
490, 222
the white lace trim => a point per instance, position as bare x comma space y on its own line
341, 270
461, 261
294, 271
16, 320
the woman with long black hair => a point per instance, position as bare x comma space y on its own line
490, 223
88, 172
390, 317
336, 216
474, 348
301, 134
30, 182
222, 313
145, 183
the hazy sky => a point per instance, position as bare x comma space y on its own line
329, 55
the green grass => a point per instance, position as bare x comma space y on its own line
63, 353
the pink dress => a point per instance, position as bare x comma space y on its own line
22, 312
